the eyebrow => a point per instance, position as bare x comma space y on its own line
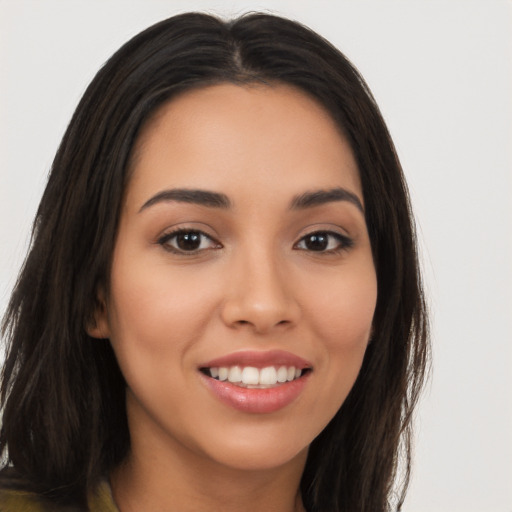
219, 200
320, 197
183, 195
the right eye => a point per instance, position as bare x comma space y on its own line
187, 241
324, 242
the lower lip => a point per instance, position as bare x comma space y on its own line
260, 401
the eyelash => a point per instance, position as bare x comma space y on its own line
343, 243
165, 241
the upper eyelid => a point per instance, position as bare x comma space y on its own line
176, 229
164, 241
345, 242
174, 232
331, 232
335, 230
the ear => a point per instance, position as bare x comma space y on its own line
98, 326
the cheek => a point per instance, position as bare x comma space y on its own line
343, 309
154, 313
343, 316
348, 317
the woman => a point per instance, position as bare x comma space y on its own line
221, 307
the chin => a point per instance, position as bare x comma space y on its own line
256, 459
258, 450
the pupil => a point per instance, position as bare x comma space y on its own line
317, 242
189, 241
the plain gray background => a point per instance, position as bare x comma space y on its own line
442, 73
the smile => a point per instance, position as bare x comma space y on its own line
252, 377
257, 382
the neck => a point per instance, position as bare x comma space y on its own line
182, 481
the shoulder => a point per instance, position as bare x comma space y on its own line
13, 498
101, 499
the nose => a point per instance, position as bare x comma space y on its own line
259, 295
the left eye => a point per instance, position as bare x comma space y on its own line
324, 241
187, 241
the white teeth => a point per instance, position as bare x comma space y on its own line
268, 376
282, 374
250, 376
235, 374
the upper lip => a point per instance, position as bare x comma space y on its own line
258, 359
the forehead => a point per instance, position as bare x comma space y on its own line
256, 135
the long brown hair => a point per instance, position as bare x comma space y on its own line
63, 395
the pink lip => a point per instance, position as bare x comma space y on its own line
258, 359
258, 401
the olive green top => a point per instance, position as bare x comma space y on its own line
21, 501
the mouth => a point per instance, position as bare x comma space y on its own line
251, 377
257, 382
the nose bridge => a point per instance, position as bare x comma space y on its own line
259, 293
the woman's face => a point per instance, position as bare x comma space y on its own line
242, 253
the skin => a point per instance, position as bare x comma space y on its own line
254, 284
